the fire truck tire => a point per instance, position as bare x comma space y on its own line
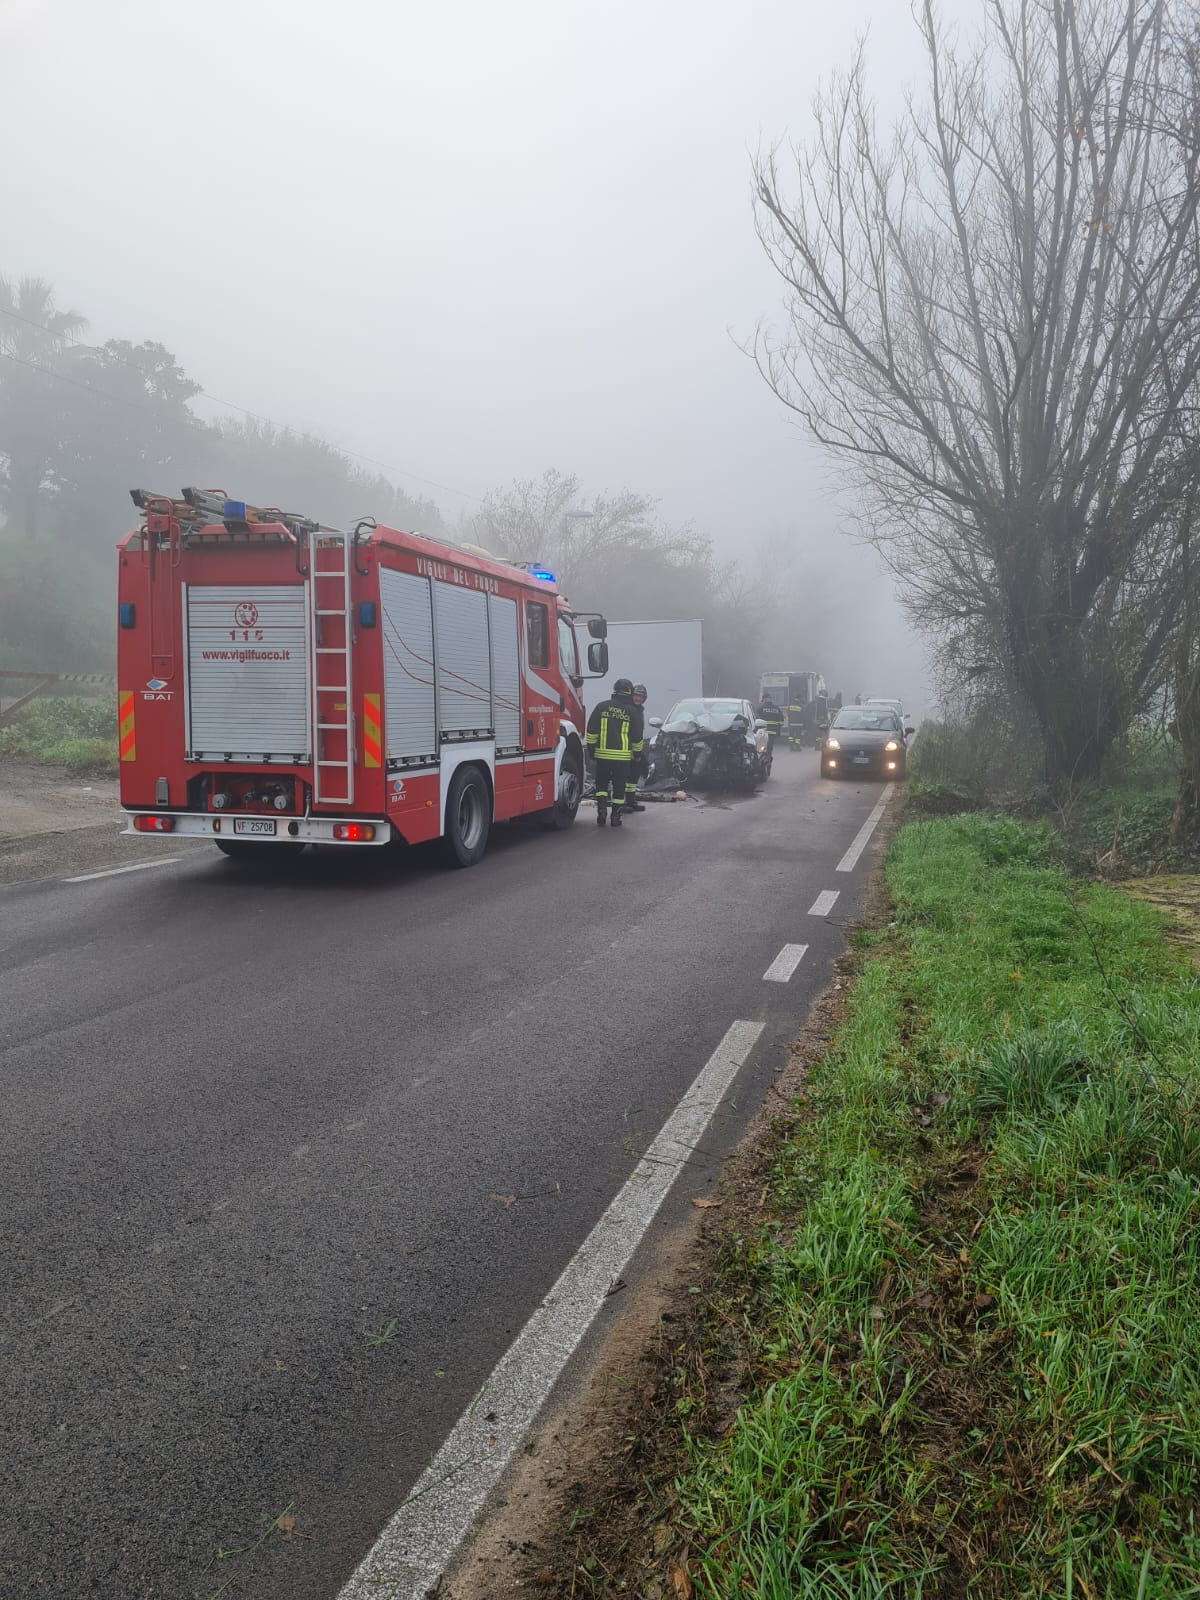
468, 817
248, 850
566, 802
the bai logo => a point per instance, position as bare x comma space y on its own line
539, 791
397, 790
156, 689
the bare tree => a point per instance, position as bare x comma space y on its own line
994, 316
545, 519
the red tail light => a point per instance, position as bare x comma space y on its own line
354, 832
154, 824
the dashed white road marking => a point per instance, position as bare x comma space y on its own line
415, 1548
824, 903
850, 860
114, 872
785, 963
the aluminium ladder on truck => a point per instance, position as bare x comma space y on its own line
332, 634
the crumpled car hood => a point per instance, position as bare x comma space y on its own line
717, 722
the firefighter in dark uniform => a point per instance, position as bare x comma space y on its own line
614, 737
639, 766
772, 716
821, 719
797, 717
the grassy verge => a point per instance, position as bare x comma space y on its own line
74, 732
966, 1341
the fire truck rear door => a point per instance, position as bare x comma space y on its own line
248, 672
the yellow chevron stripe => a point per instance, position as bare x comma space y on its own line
372, 740
126, 741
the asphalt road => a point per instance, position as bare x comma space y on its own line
287, 1157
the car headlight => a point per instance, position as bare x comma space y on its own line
833, 744
891, 745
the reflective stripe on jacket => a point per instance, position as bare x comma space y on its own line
614, 730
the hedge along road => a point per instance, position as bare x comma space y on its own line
290, 1157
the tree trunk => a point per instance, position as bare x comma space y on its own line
1185, 819
1077, 706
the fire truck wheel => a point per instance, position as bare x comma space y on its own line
570, 791
468, 817
248, 850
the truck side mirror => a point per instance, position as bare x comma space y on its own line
597, 657
598, 629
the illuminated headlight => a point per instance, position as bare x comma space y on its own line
833, 744
891, 745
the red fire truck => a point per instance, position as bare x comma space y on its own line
282, 684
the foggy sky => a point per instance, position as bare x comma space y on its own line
468, 239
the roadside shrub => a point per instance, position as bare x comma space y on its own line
1124, 830
923, 798
987, 753
75, 732
1146, 758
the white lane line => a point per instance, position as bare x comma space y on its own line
411, 1554
785, 963
113, 872
824, 903
850, 860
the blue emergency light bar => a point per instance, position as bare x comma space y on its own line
534, 569
235, 511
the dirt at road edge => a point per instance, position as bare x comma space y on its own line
53, 822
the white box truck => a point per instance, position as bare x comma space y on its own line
666, 656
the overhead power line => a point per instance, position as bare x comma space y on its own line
232, 405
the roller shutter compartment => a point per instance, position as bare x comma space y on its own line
248, 672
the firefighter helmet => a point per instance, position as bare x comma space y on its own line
623, 686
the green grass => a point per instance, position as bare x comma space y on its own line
75, 732
968, 1335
